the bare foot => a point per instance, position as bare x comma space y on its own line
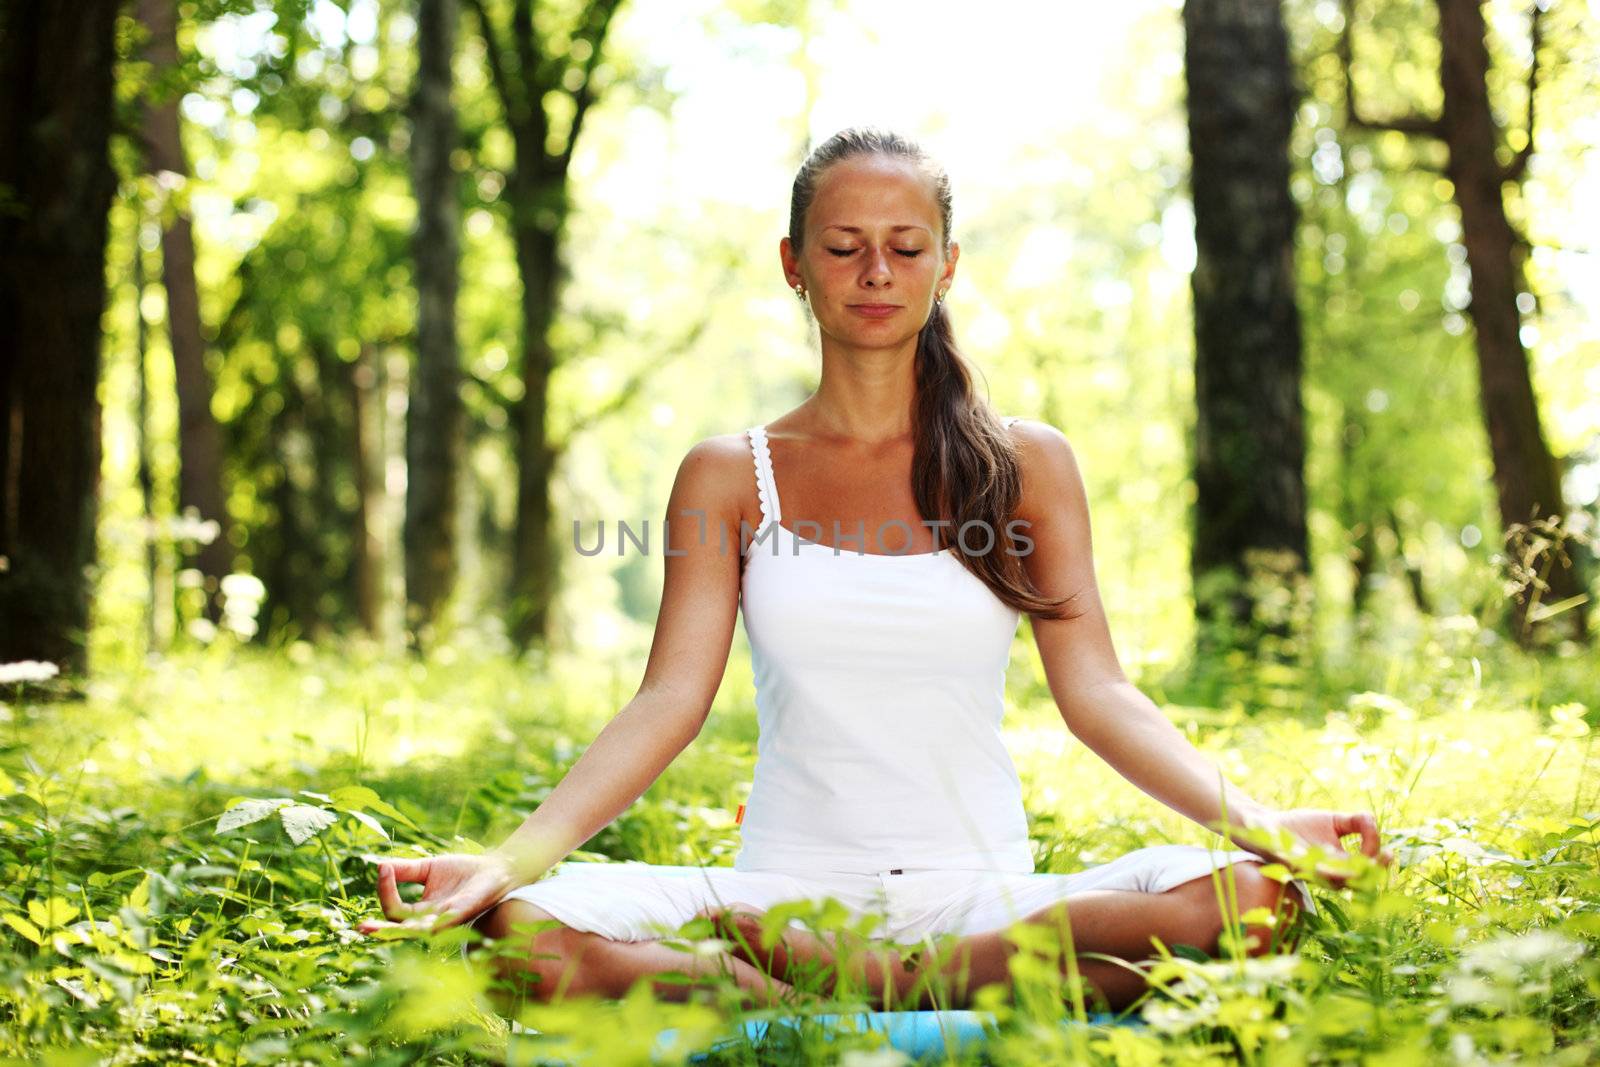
741, 924
804, 959
795, 950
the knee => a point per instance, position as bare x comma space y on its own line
1257, 891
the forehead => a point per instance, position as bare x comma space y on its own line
874, 191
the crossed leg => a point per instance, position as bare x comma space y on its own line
1108, 922
558, 962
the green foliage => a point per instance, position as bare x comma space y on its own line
169, 890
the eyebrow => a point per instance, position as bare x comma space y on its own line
896, 229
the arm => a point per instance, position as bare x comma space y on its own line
688, 656
1109, 714
1100, 706
694, 630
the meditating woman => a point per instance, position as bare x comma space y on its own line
899, 530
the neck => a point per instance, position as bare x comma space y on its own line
865, 394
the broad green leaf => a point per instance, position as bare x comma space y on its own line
24, 927
368, 821
56, 911
302, 822
249, 811
353, 796
139, 899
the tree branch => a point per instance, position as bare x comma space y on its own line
1519, 163
1420, 125
496, 395
497, 72
596, 24
534, 125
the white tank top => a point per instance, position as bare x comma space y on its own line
880, 689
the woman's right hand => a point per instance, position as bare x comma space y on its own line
457, 887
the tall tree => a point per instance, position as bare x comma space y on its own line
141, 423
297, 440
434, 416
1526, 476
531, 72
199, 439
1249, 456
56, 183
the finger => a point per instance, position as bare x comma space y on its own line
422, 924
389, 896
412, 870
1371, 843
423, 917
1363, 823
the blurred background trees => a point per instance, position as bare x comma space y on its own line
56, 182
1249, 438
394, 293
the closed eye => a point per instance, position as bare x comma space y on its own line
908, 253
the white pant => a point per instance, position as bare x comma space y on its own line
633, 901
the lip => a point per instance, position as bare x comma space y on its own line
875, 311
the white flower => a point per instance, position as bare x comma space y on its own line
1511, 955
1498, 973
28, 670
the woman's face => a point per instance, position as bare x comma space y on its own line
871, 261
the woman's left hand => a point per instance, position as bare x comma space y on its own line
1312, 827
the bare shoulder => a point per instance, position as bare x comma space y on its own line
722, 454
717, 476
1050, 474
1035, 433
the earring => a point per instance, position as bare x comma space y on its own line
800, 291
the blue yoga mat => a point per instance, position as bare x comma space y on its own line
918, 1034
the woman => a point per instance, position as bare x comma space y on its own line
880, 627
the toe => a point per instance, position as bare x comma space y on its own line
735, 918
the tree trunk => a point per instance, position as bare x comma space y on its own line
1526, 477
199, 440
434, 416
1419, 588
366, 546
524, 76
534, 561
331, 554
141, 429
56, 62
1353, 514
1249, 440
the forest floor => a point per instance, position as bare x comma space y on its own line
132, 930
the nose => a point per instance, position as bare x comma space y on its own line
877, 268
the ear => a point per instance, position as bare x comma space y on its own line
791, 263
949, 272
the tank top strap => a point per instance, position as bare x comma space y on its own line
766, 488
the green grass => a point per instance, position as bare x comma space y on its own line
134, 931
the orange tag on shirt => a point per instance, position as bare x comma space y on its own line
738, 820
